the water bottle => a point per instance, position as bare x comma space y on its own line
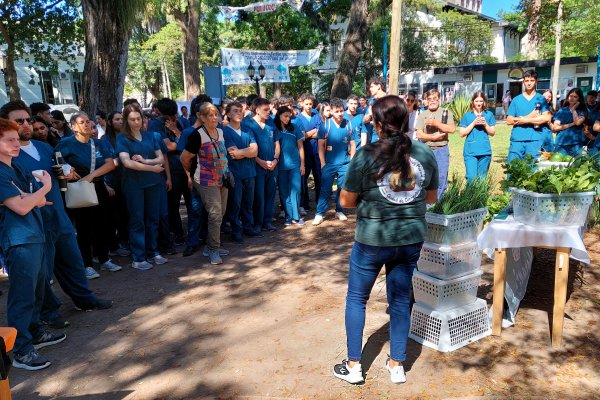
538, 108
57, 169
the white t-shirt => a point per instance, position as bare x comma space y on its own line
412, 122
32, 151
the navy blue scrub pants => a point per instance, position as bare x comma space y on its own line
329, 172
26, 276
179, 187
197, 221
240, 206
164, 231
289, 188
144, 205
265, 188
312, 164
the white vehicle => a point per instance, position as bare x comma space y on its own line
67, 110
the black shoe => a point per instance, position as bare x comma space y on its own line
269, 227
189, 250
179, 241
57, 323
31, 361
45, 339
253, 233
237, 238
100, 304
170, 250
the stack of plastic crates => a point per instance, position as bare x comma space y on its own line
447, 314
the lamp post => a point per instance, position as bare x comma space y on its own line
256, 79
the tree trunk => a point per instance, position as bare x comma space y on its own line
190, 23
277, 89
352, 50
533, 30
10, 71
106, 52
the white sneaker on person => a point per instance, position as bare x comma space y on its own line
341, 216
110, 266
318, 219
302, 212
158, 260
397, 374
352, 375
91, 273
141, 265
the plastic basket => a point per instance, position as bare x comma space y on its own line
541, 209
441, 294
448, 262
455, 228
452, 329
548, 164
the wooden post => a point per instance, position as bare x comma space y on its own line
396, 38
499, 283
557, 51
561, 279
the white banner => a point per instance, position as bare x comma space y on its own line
236, 75
261, 7
290, 58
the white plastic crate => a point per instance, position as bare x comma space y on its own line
441, 294
548, 164
541, 209
448, 262
452, 329
454, 228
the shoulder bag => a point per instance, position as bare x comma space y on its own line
82, 193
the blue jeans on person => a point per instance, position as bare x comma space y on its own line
289, 187
265, 188
197, 220
240, 206
365, 263
328, 173
477, 166
442, 156
521, 149
64, 261
312, 164
26, 266
144, 206
572, 150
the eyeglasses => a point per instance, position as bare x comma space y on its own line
21, 121
409, 99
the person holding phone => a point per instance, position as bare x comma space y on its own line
568, 123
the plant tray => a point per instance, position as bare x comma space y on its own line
455, 228
541, 209
448, 262
441, 294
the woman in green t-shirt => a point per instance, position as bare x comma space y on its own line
389, 182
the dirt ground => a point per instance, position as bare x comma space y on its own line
269, 324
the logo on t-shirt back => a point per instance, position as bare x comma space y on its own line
399, 191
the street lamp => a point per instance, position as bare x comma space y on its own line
256, 79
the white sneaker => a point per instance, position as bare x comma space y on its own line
110, 266
351, 375
141, 265
397, 374
158, 260
302, 212
91, 273
318, 219
341, 216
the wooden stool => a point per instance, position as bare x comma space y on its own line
7, 341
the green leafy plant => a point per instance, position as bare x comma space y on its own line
460, 197
496, 203
460, 105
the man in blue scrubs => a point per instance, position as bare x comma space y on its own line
355, 118
308, 123
527, 113
337, 145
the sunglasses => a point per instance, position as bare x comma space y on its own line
21, 121
411, 100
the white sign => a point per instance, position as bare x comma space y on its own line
290, 58
237, 75
262, 7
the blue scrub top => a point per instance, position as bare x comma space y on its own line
521, 107
338, 138
185, 134
573, 135
113, 178
593, 117
15, 229
289, 157
245, 167
477, 143
265, 139
146, 148
172, 155
79, 155
357, 122
54, 216
305, 124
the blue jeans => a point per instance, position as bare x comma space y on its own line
477, 166
328, 173
442, 156
240, 206
264, 198
26, 276
572, 150
365, 263
312, 164
289, 187
521, 149
144, 206
197, 220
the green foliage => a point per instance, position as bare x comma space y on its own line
496, 203
460, 197
460, 105
468, 39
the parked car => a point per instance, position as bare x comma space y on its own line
67, 109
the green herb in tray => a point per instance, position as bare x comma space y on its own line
460, 197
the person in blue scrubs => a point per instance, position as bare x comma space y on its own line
291, 166
308, 123
241, 151
142, 160
363, 105
22, 243
267, 161
527, 113
547, 134
356, 119
93, 229
568, 123
337, 145
477, 126
592, 129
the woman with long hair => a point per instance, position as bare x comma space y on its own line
568, 123
60, 124
389, 182
291, 164
325, 111
592, 129
142, 159
477, 126
547, 135
413, 109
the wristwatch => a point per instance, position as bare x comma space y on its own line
276, 158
